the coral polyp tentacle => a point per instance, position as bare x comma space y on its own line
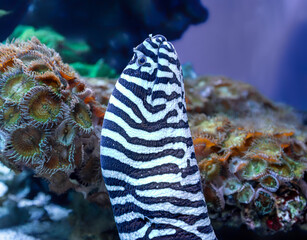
81, 117
264, 201
281, 171
266, 149
214, 197
269, 182
209, 168
90, 172
2, 101
212, 126
6, 62
3, 141
255, 169
26, 143
42, 107
246, 194
51, 80
28, 56
65, 133
58, 159
236, 164
235, 139
39, 67
67, 74
204, 145
231, 186
297, 168
15, 84
10, 115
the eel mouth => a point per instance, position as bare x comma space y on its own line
164, 44
158, 39
166, 50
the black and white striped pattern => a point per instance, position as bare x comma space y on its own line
147, 154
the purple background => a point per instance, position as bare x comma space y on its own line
260, 42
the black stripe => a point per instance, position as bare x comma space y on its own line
142, 157
165, 80
141, 93
147, 52
164, 68
161, 94
145, 76
109, 163
130, 104
120, 209
145, 125
133, 60
152, 43
168, 58
113, 126
205, 229
170, 50
179, 235
160, 38
176, 201
131, 226
189, 188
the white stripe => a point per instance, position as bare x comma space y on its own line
115, 188
129, 94
157, 101
175, 222
172, 67
149, 116
127, 217
168, 88
170, 46
136, 80
161, 232
150, 48
110, 152
164, 74
186, 227
145, 69
135, 235
164, 206
140, 149
160, 178
120, 105
169, 54
169, 192
176, 119
156, 135
154, 40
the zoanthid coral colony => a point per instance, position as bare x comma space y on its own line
47, 114
250, 152
253, 169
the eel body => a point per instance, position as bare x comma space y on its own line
147, 154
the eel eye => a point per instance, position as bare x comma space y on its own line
142, 60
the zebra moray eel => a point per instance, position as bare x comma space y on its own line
147, 153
